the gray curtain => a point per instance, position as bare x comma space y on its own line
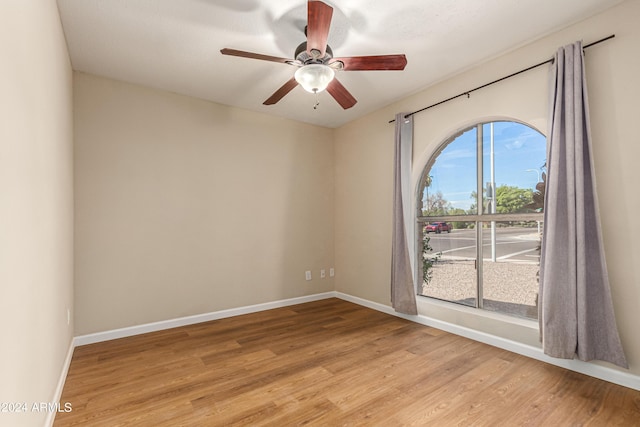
403, 295
576, 311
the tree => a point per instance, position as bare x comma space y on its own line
511, 199
538, 196
437, 204
473, 208
458, 224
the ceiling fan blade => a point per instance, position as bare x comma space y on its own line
280, 93
341, 94
379, 62
318, 22
243, 54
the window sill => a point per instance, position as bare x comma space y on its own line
425, 302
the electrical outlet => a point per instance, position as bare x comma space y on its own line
307, 275
332, 272
323, 273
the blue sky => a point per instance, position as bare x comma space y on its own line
517, 148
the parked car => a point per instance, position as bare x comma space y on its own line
438, 227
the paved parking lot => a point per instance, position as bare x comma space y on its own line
512, 243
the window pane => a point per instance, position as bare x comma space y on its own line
448, 262
498, 272
510, 267
449, 185
513, 165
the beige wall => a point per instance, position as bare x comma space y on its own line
364, 155
36, 205
185, 207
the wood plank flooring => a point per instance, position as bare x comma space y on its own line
327, 363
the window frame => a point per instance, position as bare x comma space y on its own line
480, 217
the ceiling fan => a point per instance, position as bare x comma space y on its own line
316, 63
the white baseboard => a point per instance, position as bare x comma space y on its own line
198, 318
51, 415
598, 371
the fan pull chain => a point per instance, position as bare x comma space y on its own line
315, 106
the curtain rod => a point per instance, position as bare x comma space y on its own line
468, 92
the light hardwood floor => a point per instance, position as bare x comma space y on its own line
327, 363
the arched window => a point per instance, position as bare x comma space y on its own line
479, 218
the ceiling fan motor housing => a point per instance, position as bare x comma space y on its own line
303, 56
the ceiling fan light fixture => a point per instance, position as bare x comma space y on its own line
314, 78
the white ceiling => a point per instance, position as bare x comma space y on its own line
175, 45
